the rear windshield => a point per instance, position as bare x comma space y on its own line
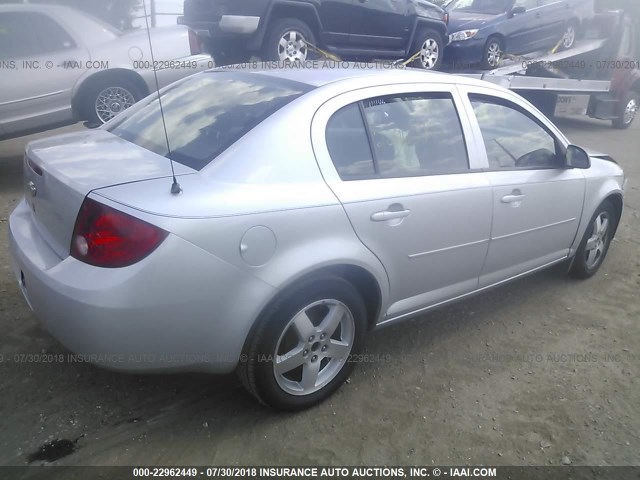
205, 114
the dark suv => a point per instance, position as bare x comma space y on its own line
280, 30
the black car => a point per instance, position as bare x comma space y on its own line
289, 30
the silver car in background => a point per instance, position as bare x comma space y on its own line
59, 65
314, 206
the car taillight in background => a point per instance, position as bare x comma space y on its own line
105, 237
446, 18
194, 43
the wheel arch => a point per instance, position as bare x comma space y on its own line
608, 190
424, 24
499, 35
618, 203
363, 279
83, 88
305, 12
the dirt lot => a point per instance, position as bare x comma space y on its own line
524, 375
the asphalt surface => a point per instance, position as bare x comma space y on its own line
540, 372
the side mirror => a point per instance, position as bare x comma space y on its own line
517, 11
577, 158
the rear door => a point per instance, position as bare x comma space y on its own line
380, 24
396, 157
46, 62
537, 201
555, 16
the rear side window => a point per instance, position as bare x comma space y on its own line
401, 136
416, 135
349, 145
24, 35
205, 114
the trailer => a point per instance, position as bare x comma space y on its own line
598, 77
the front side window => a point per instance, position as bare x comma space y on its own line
513, 139
401, 136
488, 7
528, 4
204, 114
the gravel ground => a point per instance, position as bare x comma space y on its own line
540, 372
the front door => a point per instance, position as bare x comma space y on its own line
398, 163
537, 201
522, 30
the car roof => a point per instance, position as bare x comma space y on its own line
322, 73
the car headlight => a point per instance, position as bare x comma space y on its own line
463, 35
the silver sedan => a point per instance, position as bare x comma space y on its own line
60, 65
307, 207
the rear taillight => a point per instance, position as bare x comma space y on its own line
194, 43
105, 237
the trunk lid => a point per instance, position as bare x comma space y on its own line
60, 171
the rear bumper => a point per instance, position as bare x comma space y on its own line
180, 309
226, 26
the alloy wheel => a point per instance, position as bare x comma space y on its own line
596, 245
494, 54
630, 111
313, 347
429, 53
292, 47
112, 101
569, 37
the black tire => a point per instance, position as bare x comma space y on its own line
426, 41
280, 29
580, 267
89, 98
574, 26
489, 52
256, 369
622, 121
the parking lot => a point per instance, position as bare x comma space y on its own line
540, 372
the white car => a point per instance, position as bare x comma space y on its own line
59, 65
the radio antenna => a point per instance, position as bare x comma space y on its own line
175, 187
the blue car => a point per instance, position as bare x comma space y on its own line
481, 30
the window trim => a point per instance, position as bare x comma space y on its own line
426, 95
560, 143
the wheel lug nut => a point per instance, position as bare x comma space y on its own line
305, 353
322, 336
324, 348
314, 358
311, 338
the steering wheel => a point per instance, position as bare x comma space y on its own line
538, 158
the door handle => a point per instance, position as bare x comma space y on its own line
389, 215
516, 196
